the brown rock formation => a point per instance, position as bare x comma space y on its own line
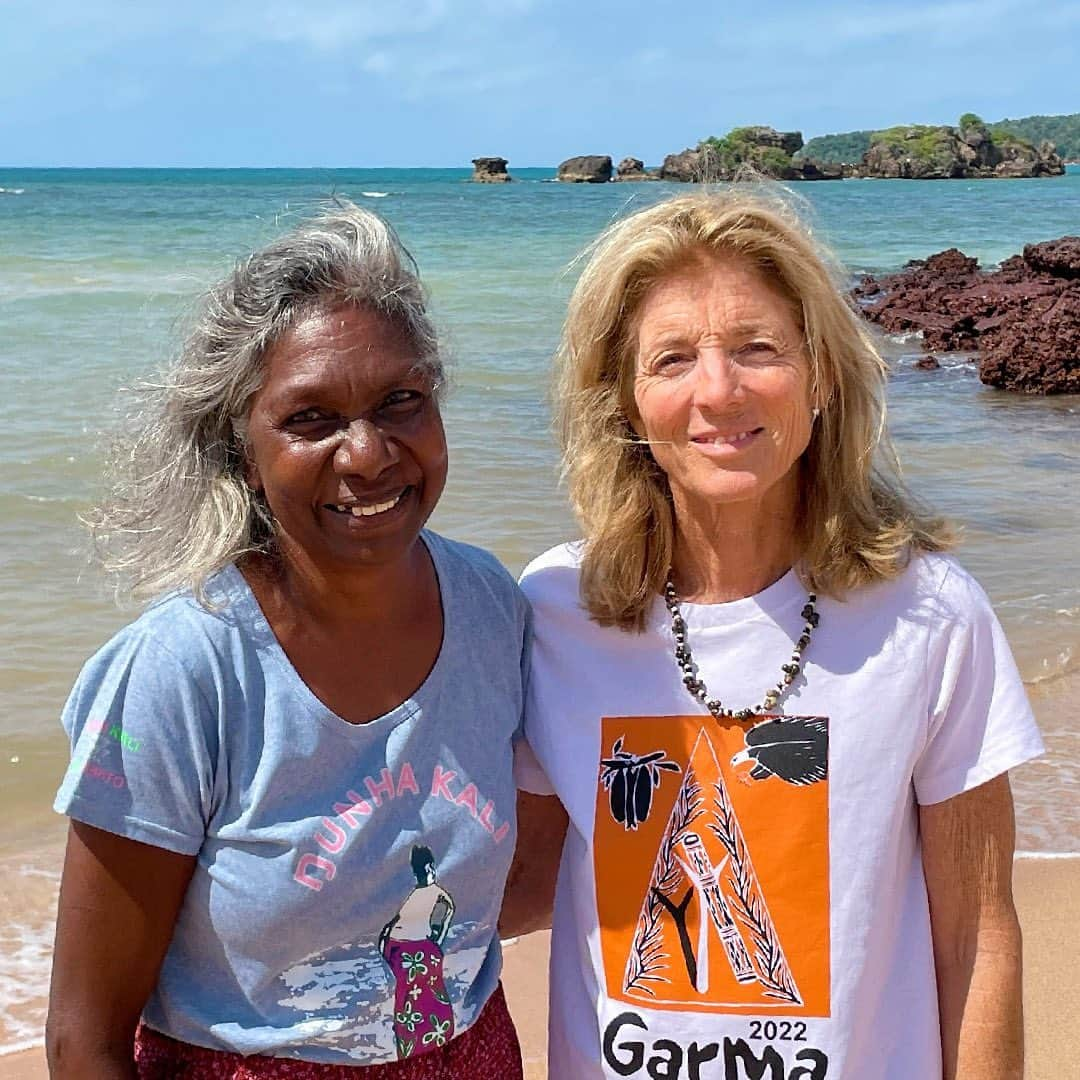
686, 167
1061, 258
755, 150
920, 152
490, 170
1023, 319
809, 169
632, 168
588, 169
791, 142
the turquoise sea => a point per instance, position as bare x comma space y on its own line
98, 269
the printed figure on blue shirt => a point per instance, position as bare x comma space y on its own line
411, 943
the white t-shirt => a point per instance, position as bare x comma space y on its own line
746, 899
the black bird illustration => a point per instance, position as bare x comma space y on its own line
795, 749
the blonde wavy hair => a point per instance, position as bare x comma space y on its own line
857, 522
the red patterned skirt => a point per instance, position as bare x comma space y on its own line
489, 1050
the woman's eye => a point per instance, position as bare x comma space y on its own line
402, 402
307, 416
670, 361
313, 423
758, 348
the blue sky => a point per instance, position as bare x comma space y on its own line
437, 82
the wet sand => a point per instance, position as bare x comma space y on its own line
1047, 895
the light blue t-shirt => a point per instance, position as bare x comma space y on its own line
344, 903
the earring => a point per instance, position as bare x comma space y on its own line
814, 413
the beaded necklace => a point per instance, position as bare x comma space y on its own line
696, 687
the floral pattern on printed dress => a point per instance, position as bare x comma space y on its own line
423, 1015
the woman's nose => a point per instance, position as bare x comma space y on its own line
364, 450
718, 382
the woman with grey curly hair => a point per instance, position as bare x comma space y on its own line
322, 688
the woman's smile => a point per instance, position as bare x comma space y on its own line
724, 445
369, 507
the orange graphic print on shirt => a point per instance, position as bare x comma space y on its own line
712, 863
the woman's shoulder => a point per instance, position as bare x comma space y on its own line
190, 634
932, 586
553, 576
475, 573
941, 580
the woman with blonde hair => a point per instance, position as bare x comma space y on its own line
321, 684
779, 716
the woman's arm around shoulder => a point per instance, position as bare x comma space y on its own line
118, 905
967, 844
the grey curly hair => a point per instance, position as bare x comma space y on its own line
178, 508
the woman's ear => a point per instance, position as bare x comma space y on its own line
629, 409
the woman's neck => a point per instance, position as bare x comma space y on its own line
732, 552
366, 594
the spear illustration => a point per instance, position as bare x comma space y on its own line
706, 881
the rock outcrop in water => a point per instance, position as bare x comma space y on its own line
632, 168
762, 150
490, 170
685, 167
1023, 319
970, 151
587, 169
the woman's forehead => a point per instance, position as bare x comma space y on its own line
349, 346
731, 294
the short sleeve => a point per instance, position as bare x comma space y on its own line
529, 774
980, 722
141, 738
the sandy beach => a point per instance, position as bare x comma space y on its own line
1048, 898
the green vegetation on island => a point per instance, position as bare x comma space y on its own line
763, 149
921, 141
968, 151
1062, 131
846, 148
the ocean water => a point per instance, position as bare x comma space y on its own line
99, 268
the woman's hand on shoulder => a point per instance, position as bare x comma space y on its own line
119, 900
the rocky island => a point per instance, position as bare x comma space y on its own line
966, 152
914, 152
1022, 319
490, 170
1062, 130
632, 168
588, 169
970, 150
764, 150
